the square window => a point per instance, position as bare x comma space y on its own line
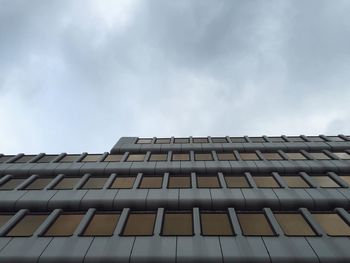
276, 139
325, 181
180, 157
200, 140
64, 225
38, 184
177, 224
144, 141
123, 182
208, 182
151, 182
136, 158
181, 140
179, 181
139, 224
249, 156
218, 140
163, 141
27, 225
342, 155
25, 159
158, 157
95, 183
203, 157
113, 158
295, 139
67, 183
102, 224
272, 156
12, 183
216, 224
257, 139
295, 156
254, 224
47, 158
320, 156
238, 140
295, 181
332, 224
226, 157
70, 158
91, 158
267, 181
237, 181
294, 224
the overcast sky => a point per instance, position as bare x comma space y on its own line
77, 75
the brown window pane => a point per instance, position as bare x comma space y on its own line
102, 224
226, 157
151, 182
276, 139
295, 181
113, 158
249, 156
25, 159
38, 184
236, 182
70, 158
333, 224
266, 181
200, 140
295, 156
181, 140
64, 225
4, 218
343, 155
295, 139
320, 156
47, 158
335, 138
176, 181
238, 139
26, 226
203, 157
135, 158
346, 178
294, 225
325, 181
158, 157
95, 183
219, 140
257, 139
144, 141
12, 183
176, 224
139, 224
208, 182
163, 141
255, 224
67, 183
272, 156
216, 224
123, 182
181, 157
91, 158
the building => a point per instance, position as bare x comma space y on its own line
207, 199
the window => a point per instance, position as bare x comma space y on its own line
70, 158
226, 157
342, 155
335, 138
163, 141
295, 181
139, 224
144, 141
135, 158
27, 225
177, 224
254, 224
181, 140
266, 181
181, 157
95, 183
315, 139
38, 184
249, 156
208, 182
296, 156
219, 140
12, 183
67, 183
257, 139
203, 156
64, 225
276, 139
158, 157
216, 224
47, 158
113, 158
272, 156
346, 178
4, 218
295, 139
294, 225
25, 159
200, 140
333, 224
91, 158
179, 181
102, 224
238, 139
325, 181
123, 182
151, 182
320, 156
238, 181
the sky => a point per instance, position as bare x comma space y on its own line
76, 76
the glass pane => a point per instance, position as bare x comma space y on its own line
47, 158
123, 182
272, 156
4, 219
91, 158
12, 183
181, 157
113, 158
39, 184
144, 141
236, 182
216, 224
219, 140
158, 157
64, 225
135, 158
295, 181
179, 182
276, 139
163, 141
335, 138
208, 182
325, 181
294, 225
69, 158
257, 139
67, 183
177, 224
182, 140
203, 157
249, 156
226, 157
295, 156
151, 182
139, 224
5, 158
315, 139
320, 156
295, 139
27, 226
25, 159
95, 183
343, 155
238, 139
254, 225
333, 224
200, 140
102, 225
266, 181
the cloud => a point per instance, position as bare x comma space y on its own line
76, 76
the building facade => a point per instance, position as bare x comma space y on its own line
195, 199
